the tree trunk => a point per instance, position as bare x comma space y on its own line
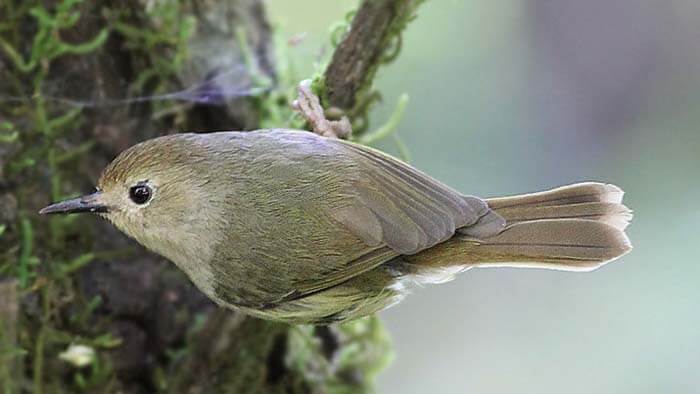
80, 82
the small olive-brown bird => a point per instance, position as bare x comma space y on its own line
292, 226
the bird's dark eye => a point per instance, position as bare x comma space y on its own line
140, 194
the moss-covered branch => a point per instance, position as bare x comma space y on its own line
81, 81
374, 38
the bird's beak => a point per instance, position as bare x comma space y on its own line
88, 203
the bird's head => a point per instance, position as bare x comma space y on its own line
154, 192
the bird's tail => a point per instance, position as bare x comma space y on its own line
573, 228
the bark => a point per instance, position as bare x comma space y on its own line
9, 305
375, 30
152, 330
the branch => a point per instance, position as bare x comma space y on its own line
149, 306
356, 59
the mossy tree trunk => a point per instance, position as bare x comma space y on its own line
79, 82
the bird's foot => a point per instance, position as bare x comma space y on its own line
309, 106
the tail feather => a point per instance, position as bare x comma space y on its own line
572, 228
563, 244
565, 195
577, 228
616, 215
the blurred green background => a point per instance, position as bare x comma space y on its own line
517, 96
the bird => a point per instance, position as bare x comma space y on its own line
293, 226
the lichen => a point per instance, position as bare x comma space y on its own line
32, 136
364, 350
40, 157
35, 154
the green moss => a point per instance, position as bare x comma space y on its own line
28, 159
392, 44
364, 350
164, 47
44, 272
36, 254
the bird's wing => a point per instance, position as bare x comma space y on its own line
315, 212
399, 206
396, 209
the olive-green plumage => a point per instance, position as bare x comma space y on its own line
292, 226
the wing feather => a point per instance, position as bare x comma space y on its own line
313, 213
415, 211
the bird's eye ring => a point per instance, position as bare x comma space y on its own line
140, 194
